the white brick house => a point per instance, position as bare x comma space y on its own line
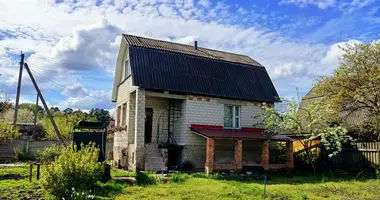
184, 107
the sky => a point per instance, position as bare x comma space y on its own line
71, 46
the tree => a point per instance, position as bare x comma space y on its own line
65, 124
306, 124
101, 115
68, 111
354, 87
4, 106
24, 116
31, 107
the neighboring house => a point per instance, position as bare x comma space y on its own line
185, 107
351, 120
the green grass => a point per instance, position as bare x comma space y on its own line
337, 186
120, 173
278, 188
23, 189
19, 189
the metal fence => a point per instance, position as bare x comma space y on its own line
360, 156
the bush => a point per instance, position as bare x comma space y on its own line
376, 170
50, 154
301, 162
73, 169
144, 178
8, 131
179, 177
23, 154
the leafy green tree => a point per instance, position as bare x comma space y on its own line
65, 124
354, 87
32, 107
101, 115
68, 111
306, 124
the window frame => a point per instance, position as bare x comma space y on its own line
127, 68
234, 117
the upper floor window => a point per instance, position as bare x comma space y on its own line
231, 116
127, 66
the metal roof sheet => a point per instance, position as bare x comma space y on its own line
188, 49
244, 133
177, 72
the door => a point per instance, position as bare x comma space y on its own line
148, 124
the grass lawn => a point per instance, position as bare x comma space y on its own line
277, 188
298, 187
20, 188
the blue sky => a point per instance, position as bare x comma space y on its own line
71, 46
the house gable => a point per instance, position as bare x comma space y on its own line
168, 66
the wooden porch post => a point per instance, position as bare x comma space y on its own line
239, 154
209, 165
290, 151
265, 155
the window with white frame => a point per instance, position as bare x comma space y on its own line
127, 66
231, 116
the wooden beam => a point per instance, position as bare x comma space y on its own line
45, 105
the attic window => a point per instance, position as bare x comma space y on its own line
127, 66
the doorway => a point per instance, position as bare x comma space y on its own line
148, 125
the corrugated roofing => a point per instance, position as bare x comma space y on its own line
187, 49
219, 132
177, 72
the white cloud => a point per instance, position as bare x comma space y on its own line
75, 42
205, 3
322, 4
76, 90
93, 99
332, 57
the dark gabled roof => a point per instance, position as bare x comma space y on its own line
178, 72
188, 49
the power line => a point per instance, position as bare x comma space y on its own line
62, 86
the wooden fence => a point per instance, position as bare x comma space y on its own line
360, 156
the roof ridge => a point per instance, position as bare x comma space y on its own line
176, 43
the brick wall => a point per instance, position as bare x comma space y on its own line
210, 111
125, 137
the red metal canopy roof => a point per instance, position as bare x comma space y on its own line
209, 131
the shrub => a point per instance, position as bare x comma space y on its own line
179, 177
73, 169
376, 170
145, 178
301, 161
23, 154
8, 131
50, 154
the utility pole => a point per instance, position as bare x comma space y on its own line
18, 88
35, 116
45, 105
